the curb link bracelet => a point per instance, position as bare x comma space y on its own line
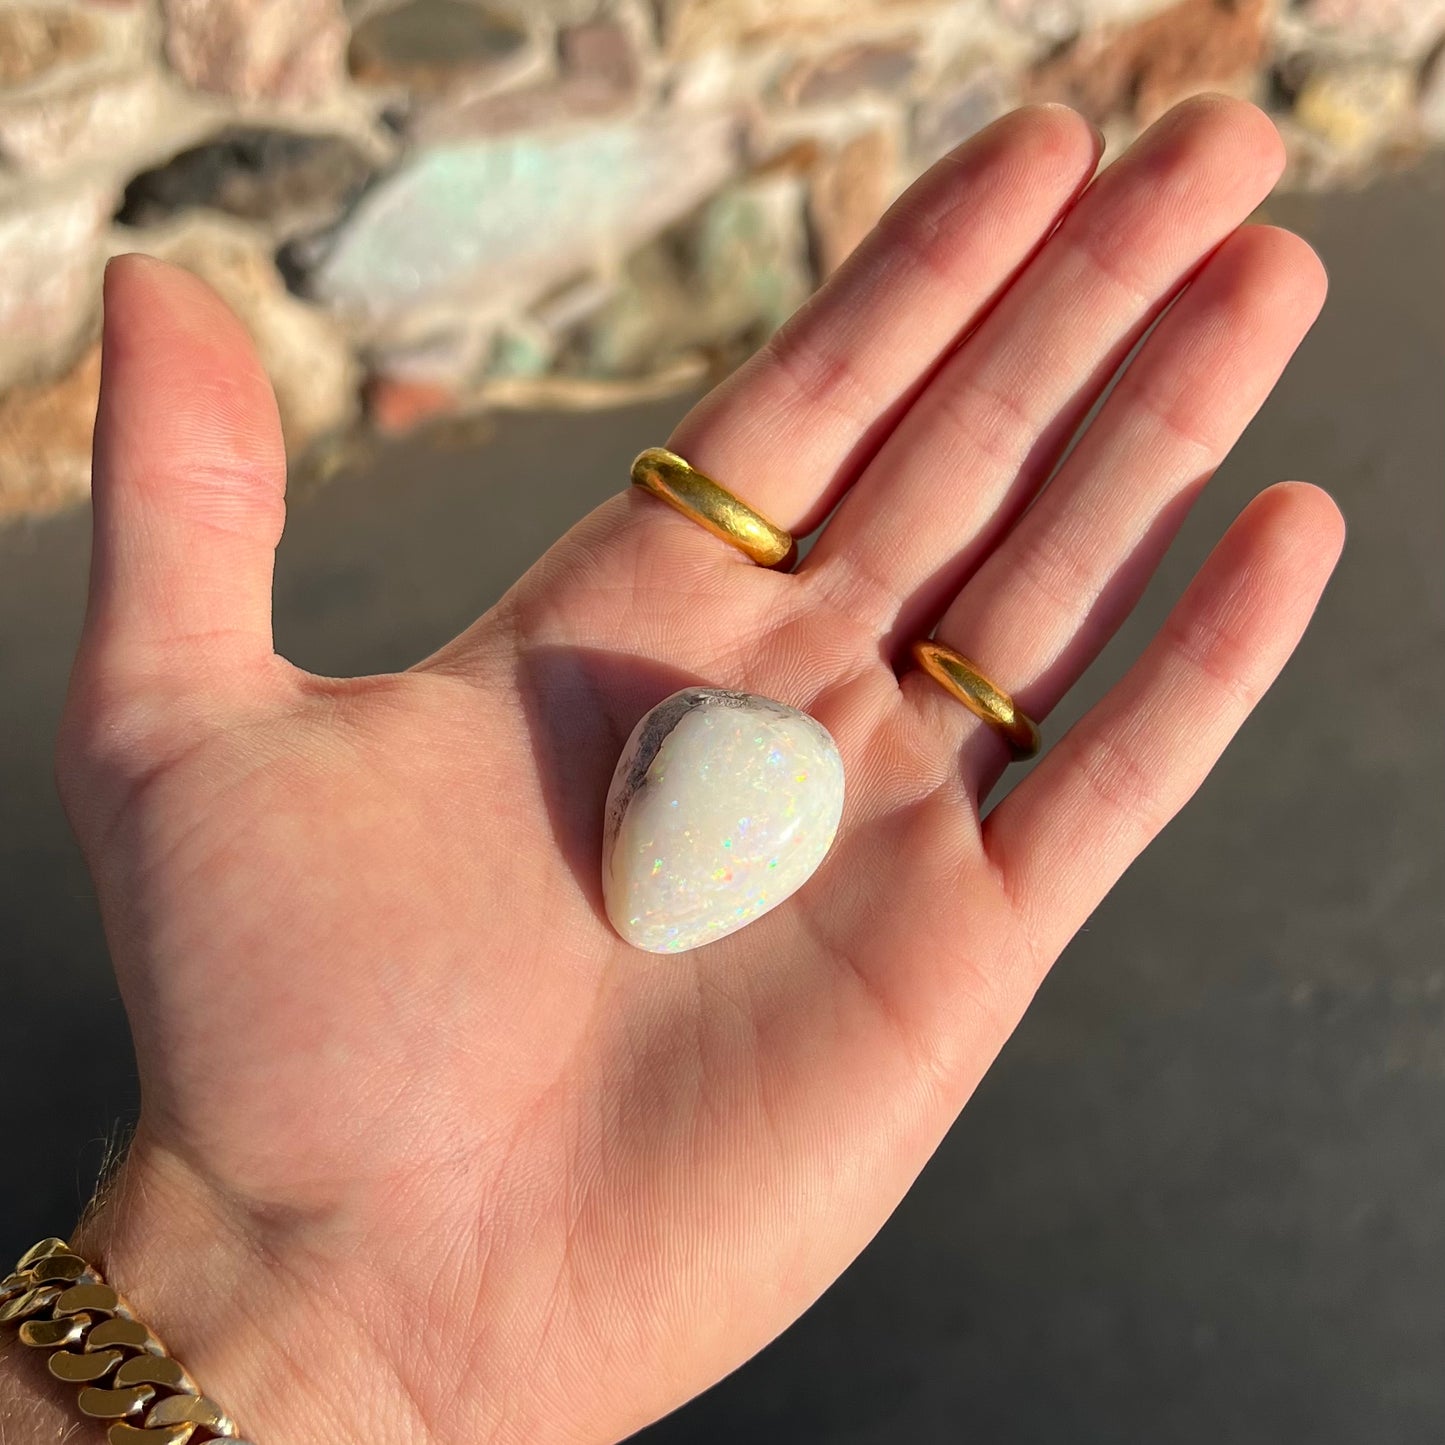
62, 1304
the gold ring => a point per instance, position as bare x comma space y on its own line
958, 676
711, 505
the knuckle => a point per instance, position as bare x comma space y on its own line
230, 498
813, 380
1121, 782
987, 419
1059, 574
1220, 655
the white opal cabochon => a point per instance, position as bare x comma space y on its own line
723, 804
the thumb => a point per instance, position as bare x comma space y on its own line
189, 487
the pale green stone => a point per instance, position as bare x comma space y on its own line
499, 220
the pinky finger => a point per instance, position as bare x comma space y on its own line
1065, 835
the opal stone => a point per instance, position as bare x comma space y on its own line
723, 805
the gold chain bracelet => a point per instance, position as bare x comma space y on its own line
62, 1304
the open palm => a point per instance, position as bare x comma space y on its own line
427, 1154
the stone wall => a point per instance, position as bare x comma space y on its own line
428, 208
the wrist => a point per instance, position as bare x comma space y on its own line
33, 1405
195, 1272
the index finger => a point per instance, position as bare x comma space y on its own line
791, 429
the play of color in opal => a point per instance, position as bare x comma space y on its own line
723, 805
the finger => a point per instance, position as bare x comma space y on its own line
189, 484
1046, 601
790, 430
992, 424
1066, 834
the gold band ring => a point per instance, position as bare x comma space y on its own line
711, 505
958, 676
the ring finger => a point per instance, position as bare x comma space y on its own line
1041, 607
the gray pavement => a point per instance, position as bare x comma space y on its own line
1201, 1197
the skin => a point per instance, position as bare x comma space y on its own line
426, 1153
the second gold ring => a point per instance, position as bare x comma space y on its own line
984, 698
708, 503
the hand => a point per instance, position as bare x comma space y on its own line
426, 1154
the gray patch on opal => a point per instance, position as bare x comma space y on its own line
649, 735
